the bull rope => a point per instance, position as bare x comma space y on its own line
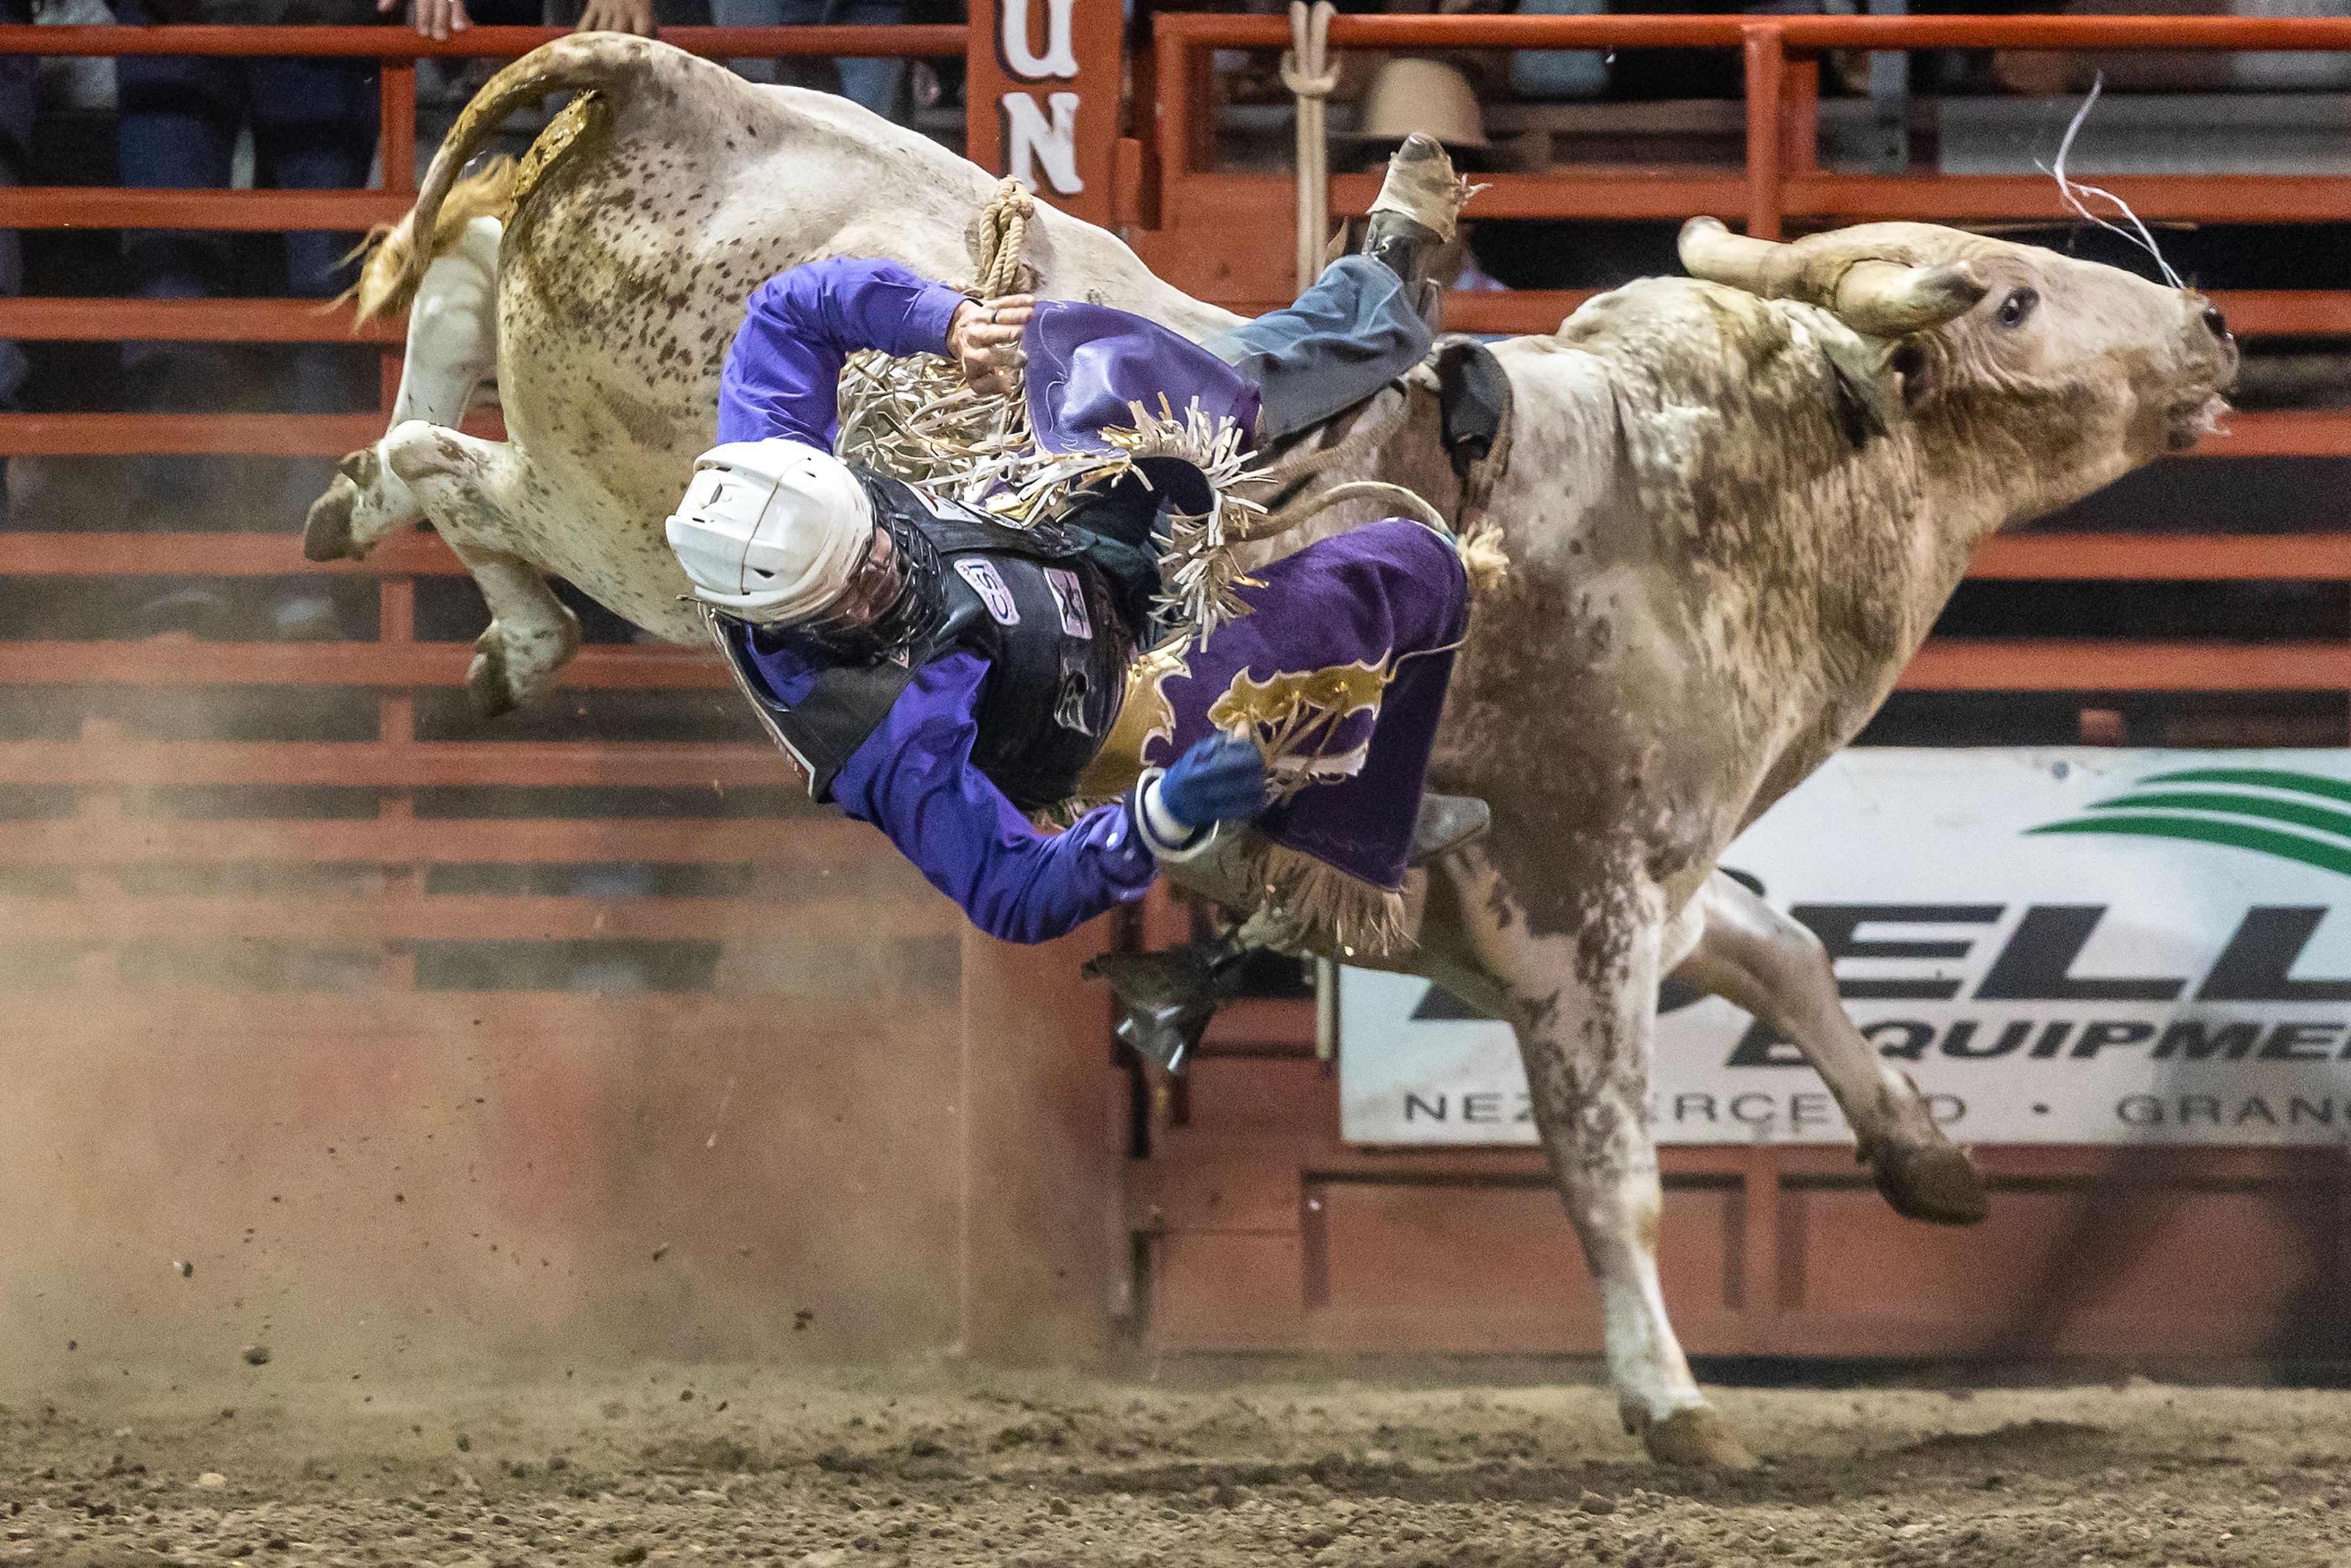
998, 239
916, 418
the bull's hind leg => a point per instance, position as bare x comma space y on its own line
453, 347
1757, 959
1584, 1005
478, 496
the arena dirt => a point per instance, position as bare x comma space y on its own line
954, 1466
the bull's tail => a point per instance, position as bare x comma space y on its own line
608, 63
389, 276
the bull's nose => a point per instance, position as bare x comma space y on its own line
2216, 323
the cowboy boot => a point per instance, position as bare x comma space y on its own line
1414, 215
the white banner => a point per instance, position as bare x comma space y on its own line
2080, 946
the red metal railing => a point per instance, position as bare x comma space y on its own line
1779, 183
101, 773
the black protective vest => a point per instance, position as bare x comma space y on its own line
1033, 603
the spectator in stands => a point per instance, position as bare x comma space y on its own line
440, 18
875, 83
313, 124
16, 74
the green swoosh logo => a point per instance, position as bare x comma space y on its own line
2232, 817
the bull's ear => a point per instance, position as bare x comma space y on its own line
1861, 392
1911, 366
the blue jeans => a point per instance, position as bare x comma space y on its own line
314, 127
16, 144
873, 83
1347, 337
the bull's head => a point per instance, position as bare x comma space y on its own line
2082, 371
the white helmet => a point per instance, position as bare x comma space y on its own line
770, 531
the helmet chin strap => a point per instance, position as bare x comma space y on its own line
880, 610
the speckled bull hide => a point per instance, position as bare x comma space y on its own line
1733, 509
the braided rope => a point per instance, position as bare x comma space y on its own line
1000, 237
1308, 73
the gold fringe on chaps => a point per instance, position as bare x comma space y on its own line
1302, 890
1302, 904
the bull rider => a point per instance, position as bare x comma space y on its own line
947, 676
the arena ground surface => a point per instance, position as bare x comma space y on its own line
958, 1465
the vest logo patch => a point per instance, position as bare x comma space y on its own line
944, 508
1070, 701
990, 588
1070, 598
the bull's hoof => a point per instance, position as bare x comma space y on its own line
1937, 1183
1696, 1436
327, 533
487, 687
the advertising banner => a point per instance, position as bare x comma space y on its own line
2077, 947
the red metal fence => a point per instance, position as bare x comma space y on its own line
392, 665
1781, 186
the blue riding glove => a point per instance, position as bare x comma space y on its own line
1221, 779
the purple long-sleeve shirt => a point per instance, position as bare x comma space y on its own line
912, 777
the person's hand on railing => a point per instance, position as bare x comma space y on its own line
436, 19
618, 16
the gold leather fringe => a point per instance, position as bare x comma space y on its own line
1315, 896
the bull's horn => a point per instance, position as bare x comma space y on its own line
1710, 251
1879, 299
1887, 299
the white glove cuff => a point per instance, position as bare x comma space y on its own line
1166, 839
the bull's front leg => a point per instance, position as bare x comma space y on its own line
453, 347
1755, 958
1584, 1005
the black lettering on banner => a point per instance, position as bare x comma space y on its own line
1807, 1110
1945, 1109
2322, 1112
1415, 1107
1682, 1103
1960, 1040
2037, 964
2187, 1038
1916, 1037
2301, 1042
2097, 1037
1834, 924
1740, 1114
2191, 1104
1526, 1112
2258, 963
2139, 1111
2255, 1106
1485, 1108
2052, 1040
1763, 1046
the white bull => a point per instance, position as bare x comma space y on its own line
1733, 509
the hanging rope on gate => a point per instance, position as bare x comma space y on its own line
1306, 71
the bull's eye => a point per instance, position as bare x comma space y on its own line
2017, 305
